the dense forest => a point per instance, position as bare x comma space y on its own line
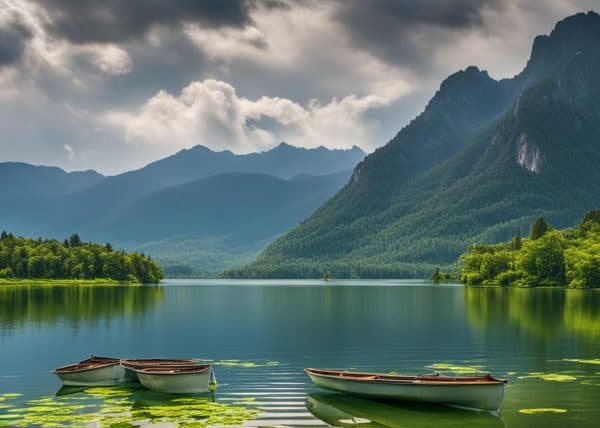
22, 258
548, 257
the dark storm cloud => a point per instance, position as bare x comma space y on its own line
84, 21
13, 37
404, 31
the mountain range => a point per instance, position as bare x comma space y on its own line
196, 212
479, 164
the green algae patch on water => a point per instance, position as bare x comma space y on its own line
445, 367
542, 410
595, 361
10, 395
116, 407
550, 377
201, 413
104, 392
245, 364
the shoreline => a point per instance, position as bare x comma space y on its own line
46, 281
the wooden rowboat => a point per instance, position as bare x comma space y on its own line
92, 371
175, 379
478, 392
131, 364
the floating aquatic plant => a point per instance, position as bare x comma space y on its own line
245, 364
583, 361
552, 377
121, 407
455, 368
542, 410
11, 395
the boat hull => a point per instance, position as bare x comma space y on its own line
483, 396
100, 376
130, 375
181, 383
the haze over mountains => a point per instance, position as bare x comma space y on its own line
198, 209
478, 165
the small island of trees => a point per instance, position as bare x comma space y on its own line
72, 259
548, 257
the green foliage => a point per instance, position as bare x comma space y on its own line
590, 221
582, 261
538, 229
543, 259
554, 258
23, 258
440, 276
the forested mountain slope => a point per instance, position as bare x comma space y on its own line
530, 148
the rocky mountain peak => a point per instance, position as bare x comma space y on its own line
573, 39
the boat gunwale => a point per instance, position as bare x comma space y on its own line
170, 370
381, 378
93, 362
141, 361
144, 362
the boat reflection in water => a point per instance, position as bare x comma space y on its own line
341, 410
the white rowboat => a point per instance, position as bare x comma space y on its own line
93, 371
477, 392
182, 379
130, 365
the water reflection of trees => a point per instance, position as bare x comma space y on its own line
543, 312
50, 304
582, 312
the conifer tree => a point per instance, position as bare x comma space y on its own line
74, 240
538, 229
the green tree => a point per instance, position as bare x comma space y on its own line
591, 220
539, 228
74, 240
516, 242
543, 259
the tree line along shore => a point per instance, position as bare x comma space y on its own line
548, 257
49, 261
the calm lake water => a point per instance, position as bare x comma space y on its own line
262, 334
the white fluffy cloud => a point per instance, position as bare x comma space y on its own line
211, 113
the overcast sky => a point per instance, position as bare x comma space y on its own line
112, 85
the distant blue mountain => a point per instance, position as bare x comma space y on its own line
224, 206
21, 180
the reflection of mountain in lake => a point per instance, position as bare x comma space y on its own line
543, 312
51, 304
341, 410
